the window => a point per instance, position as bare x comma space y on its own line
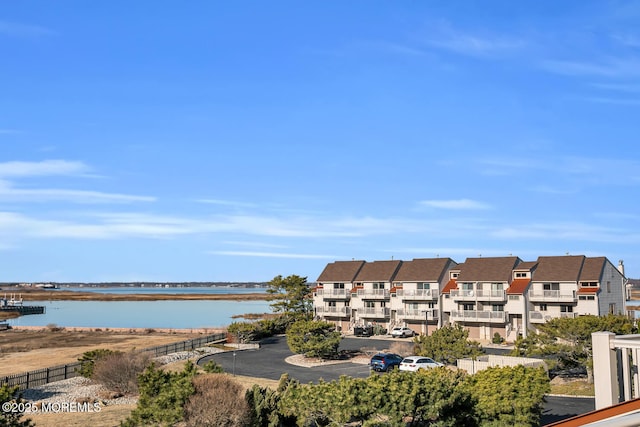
520, 275
497, 307
413, 306
467, 286
612, 308
589, 284
378, 286
551, 286
346, 303
383, 304
543, 307
331, 303
423, 286
338, 286
514, 297
431, 305
468, 307
454, 275
369, 304
566, 309
586, 298
496, 286
608, 287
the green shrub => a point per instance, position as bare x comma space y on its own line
211, 367
89, 358
163, 395
11, 418
497, 338
313, 338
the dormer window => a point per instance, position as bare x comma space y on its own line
589, 284
521, 275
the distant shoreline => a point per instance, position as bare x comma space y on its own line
63, 295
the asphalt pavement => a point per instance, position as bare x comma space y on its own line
268, 361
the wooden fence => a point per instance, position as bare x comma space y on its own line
44, 376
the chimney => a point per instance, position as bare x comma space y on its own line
621, 267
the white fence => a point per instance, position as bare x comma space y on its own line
484, 362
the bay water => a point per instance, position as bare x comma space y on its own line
173, 314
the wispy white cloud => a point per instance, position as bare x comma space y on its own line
43, 168
456, 204
220, 202
12, 194
618, 87
15, 29
478, 44
273, 255
9, 131
615, 101
608, 67
567, 231
253, 244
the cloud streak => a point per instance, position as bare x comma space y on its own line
273, 255
14, 29
43, 168
457, 204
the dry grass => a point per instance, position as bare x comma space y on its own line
26, 350
572, 387
8, 315
108, 416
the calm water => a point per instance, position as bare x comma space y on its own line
143, 314
161, 290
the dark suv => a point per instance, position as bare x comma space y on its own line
382, 362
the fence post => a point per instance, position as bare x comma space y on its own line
47, 376
605, 372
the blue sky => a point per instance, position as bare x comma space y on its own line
235, 141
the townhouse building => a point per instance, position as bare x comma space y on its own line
486, 295
416, 291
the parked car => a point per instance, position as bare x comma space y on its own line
402, 331
413, 363
382, 362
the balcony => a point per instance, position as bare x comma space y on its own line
479, 316
537, 295
334, 293
334, 311
417, 294
478, 295
373, 293
374, 312
413, 314
544, 316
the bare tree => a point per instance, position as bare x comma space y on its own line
218, 402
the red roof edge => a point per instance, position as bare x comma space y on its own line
600, 414
451, 284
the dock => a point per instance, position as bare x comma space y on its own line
24, 309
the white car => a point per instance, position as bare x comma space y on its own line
413, 363
403, 331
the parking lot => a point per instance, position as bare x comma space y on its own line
269, 362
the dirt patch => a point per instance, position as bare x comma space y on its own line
26, 350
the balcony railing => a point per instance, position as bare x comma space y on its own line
615, 371
548, 295
334, 311
373, 293
479, 316
479, 294
416, 314
544, 316
417, 294
334, 293
376, 312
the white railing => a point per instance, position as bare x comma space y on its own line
463, 293
479, 294
615, 368
374, 312
334, 293
373, 293
416, 314
545, 295
335, 311
417, 293
479, 316
544, 316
